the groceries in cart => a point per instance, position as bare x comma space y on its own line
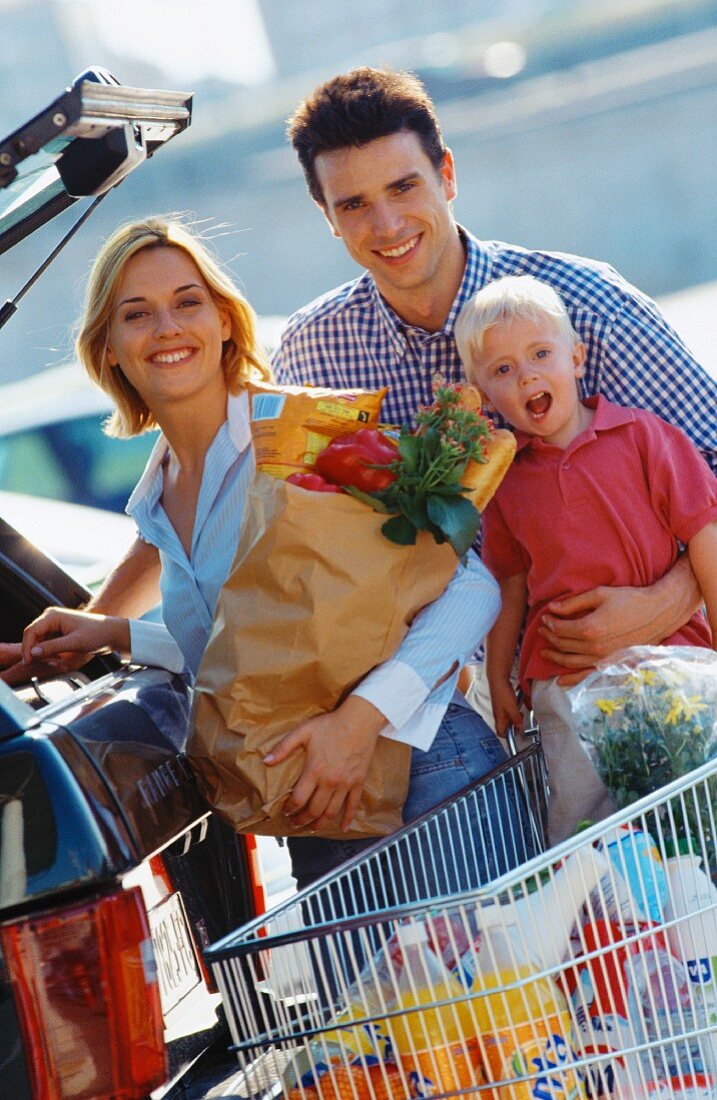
590, 971
562, 988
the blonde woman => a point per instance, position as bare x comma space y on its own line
168, 336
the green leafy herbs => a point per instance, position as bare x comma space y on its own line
427, 494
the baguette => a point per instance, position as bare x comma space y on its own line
481, 479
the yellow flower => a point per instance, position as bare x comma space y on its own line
642, 677
609, 706
682, 707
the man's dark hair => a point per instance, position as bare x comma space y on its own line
357, 107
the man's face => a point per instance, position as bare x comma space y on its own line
390, 206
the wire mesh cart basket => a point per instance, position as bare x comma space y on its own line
586, 970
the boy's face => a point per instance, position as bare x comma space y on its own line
527, 371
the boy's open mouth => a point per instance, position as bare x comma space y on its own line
539, 405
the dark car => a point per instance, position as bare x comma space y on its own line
114, 875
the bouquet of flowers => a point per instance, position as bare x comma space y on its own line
648, 715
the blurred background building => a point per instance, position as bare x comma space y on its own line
586, 126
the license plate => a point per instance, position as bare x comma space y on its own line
177, 967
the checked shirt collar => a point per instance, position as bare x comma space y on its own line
475, 276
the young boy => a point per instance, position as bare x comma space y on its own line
598, 494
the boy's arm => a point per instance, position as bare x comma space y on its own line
501, 645
702, 550
613, 618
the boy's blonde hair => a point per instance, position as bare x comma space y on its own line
521, 297
242, 357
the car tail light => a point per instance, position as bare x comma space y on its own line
85, 985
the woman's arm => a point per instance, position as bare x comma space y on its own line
442, 637
59, 631
131, 589
133, 585
339, 745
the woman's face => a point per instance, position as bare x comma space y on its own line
166, 331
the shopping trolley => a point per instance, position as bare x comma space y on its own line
270, 986
584, 971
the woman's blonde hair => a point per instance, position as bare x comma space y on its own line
242, 357
514, 296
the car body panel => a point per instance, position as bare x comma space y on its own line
122, 737
98, 801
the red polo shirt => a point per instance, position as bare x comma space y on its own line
610, 509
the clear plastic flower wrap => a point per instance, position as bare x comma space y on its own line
648, 715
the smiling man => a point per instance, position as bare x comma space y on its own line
390, 204
375, 162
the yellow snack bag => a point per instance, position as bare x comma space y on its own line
290, 425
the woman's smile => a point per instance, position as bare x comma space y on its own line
169, 357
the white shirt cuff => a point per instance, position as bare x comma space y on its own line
152, 644
398, 692
395, 689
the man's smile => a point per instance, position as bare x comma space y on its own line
399, 250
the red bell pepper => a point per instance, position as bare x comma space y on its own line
314, 483
351, 460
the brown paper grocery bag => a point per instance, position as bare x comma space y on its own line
317, 596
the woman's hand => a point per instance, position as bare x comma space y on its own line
14, 671
59, 632
338, 747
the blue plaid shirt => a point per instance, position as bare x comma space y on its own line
351, 337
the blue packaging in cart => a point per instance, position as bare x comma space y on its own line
634, 855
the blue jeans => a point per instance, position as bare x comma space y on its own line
464, 749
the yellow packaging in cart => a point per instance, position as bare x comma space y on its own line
525, 1029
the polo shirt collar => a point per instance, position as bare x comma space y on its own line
607, 416
149, 487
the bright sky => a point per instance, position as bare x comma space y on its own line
189, 40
